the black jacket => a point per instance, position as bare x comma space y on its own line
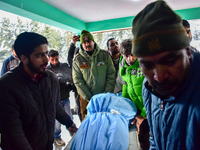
28, 110
73, 50
64, 75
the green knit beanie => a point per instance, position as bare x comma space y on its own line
86, 36
157, 28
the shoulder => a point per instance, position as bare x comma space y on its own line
104, 51
7, 60
48, 66
51, 74
77, 55
66, 65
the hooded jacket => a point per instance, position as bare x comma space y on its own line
93, 74
132, 87
64, 75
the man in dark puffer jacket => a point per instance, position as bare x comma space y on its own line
29, 99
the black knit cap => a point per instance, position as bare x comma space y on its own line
157, 28
26, 42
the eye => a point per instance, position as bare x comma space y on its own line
147, 66
170, 61
39, 55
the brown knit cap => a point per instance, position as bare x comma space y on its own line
157, 28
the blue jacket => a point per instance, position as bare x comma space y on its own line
9, 63
177, 125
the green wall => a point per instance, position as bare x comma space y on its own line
39, 11
42, 12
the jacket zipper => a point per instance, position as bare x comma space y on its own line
162, 105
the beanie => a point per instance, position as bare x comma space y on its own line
26, 42
86, 36
157, 28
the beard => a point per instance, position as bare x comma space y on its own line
115, 51
34, 69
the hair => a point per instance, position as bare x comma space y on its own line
53, 53
26, 42
186, 23
125, 47
109, 40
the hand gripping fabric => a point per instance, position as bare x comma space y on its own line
106, 125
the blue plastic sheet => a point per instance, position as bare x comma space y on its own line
106, 125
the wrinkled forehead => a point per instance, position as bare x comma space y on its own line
160, 57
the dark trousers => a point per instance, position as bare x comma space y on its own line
78, 107
144, 135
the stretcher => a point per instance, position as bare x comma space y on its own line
133, 141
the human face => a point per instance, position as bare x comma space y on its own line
188, 32
113, 46
54, 60
88, 45
38, 60
166, 72
130, 59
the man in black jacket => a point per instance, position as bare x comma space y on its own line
73, 50
64, 74
29, 98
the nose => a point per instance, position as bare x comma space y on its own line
46, 58
160, 73
86, 43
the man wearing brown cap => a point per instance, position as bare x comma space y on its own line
171, 87
93, 71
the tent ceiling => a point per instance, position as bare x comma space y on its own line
92, 15
97, 10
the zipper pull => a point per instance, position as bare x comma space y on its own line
162, 105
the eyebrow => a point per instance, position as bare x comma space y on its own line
41, 53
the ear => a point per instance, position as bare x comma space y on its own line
188, 51
24, 59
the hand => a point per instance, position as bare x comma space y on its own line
72, 129
138, 121
75, 39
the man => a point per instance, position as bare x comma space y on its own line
93, 71
29, 98
171, 88
132, 88
113, 48
189, 34
10, 62
64, 74
73, 50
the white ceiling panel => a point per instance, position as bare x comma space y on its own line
97, 10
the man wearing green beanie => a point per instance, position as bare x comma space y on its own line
171, 85
93, 71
